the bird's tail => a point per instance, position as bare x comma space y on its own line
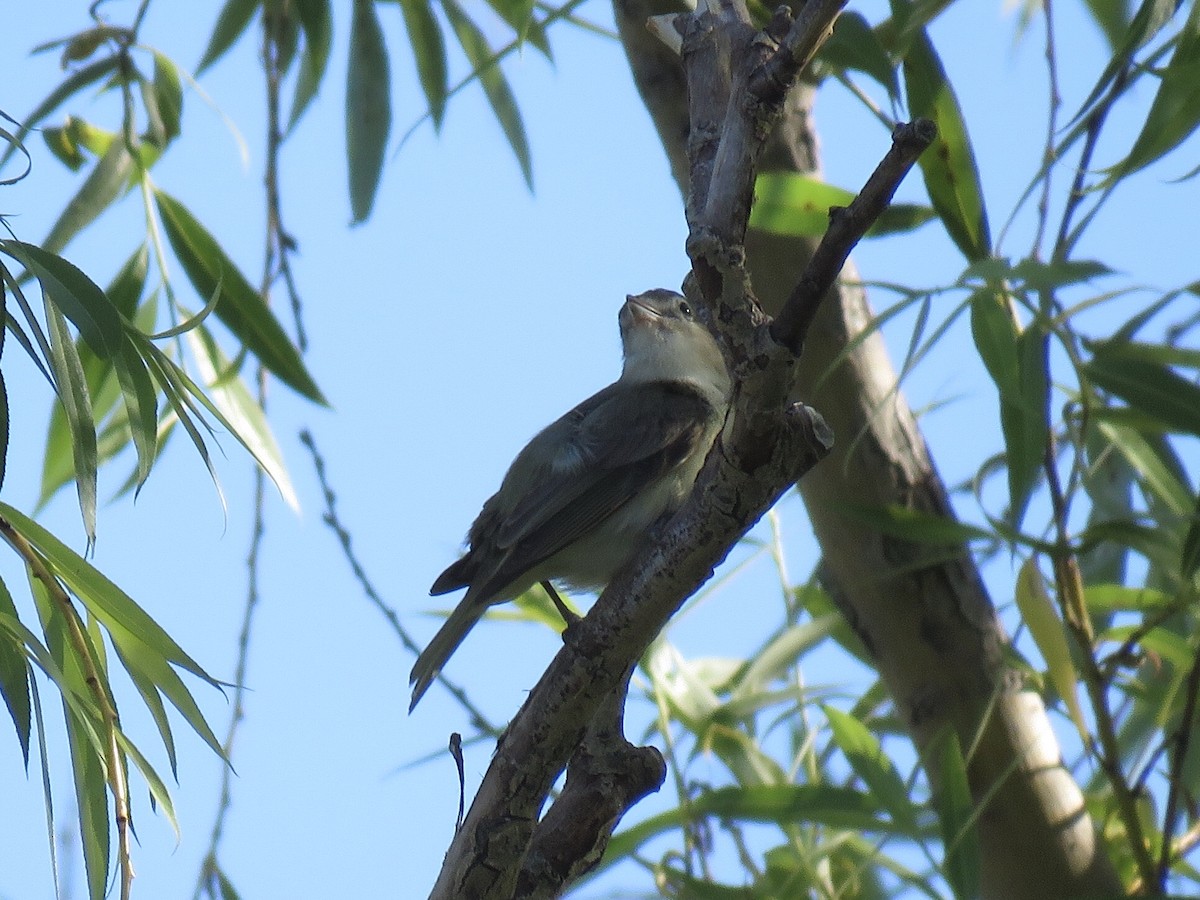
444, 643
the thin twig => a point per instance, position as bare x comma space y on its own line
847, 225
331, 518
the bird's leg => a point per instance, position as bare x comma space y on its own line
563, 610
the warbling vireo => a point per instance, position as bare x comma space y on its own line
582, 495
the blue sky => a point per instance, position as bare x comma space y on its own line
461, 318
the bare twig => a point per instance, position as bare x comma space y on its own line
846, 228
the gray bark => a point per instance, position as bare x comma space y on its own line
930, 627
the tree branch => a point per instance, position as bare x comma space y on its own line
574, 712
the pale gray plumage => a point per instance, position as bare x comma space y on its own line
581, 495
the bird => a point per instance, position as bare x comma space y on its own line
583, 494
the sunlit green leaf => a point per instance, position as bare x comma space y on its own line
241, 307
91, 800
368, 107
486, 68
316, 18
1109, 598
242, 413
1025, 419
798, 205
429, 53
1050, 635
234, 18
949, 167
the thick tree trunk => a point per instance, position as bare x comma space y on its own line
931, 629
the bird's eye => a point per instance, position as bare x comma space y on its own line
684, 309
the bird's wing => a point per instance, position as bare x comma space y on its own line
623, 445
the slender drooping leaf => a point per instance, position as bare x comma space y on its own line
107, 181
241, 411
241, 307
168, 96
956, 815
865, 755
1175, 112
1050, 635
949, 168
429, 54
77, 406
1189, 558
316, 19
1150, 387
14, 674
495, 85
1152, 16
76, 295
368, 107
233, 19
74, 82
854, 45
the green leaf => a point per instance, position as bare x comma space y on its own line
798, 206
429, 54
956, 814
486, 67
1189, 558
1050, 635
91, 799
1046, 276
854, 45
316, 18
949, 167
241, 307
1113, 18
234, 18
76, 295
1025, 419
107, 602
368, 108
1152, 16
243, 416
14, 675
108, 179
168, 95
1110, 598
865, 755
995, 331
77, 405
1156, 476
1175, 112
76, 81
1148, 387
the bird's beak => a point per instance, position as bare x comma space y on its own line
639, 311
